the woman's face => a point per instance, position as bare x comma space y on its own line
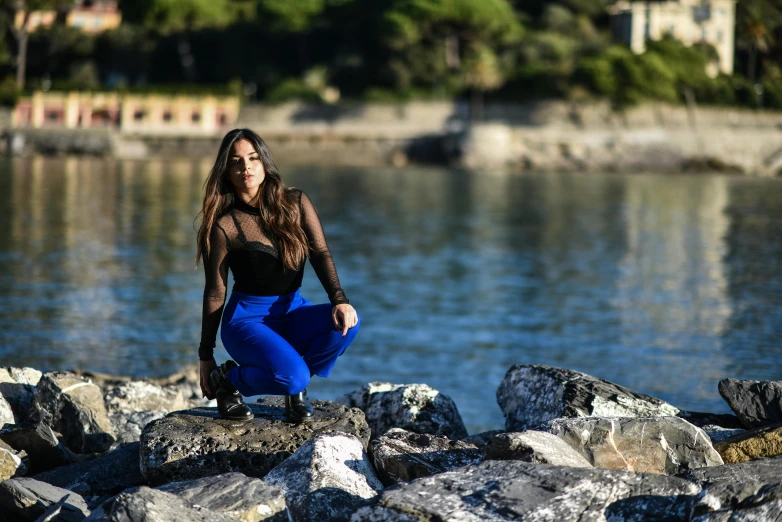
245, 169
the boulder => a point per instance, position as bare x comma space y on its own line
482, 439
145, 504
6, 412
77, 411
233, 494
537, 447
11, 463
752, 444
17, 387
129, 425
765, 506
400, 456
756, 403
497, 490
44, 450
106, 475
327, 478
196, 443
722, 420
728, 485
411, 407
718, 433
666, 445
651, 508
137, 396
28, 499
530, 395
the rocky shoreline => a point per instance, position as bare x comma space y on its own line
80, 446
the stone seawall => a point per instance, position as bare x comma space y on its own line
540, 136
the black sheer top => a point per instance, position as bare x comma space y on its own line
238, 242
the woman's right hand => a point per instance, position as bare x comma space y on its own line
205, 370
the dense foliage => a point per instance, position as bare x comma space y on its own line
275, 50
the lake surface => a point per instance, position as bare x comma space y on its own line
664, 284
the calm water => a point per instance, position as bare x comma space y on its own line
662, 284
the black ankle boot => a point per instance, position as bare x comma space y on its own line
229, 400
298, 407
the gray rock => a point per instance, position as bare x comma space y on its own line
666, 445
537, 447
187, 380
77, 411
512, 490
728, 485
197, 443
482, 439
400, 455
106, 475
756, 403
6, 412
722, 420
17, 387
28, 499
411, 407
129, 425
44, 450
327, 478
11, 463
718, 433
650, 508
764, 506
235, 495
135, 396
530, 395
144, 504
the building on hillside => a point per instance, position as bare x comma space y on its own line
690, 21
89, 16
144, 114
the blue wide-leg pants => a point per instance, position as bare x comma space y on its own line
279, 342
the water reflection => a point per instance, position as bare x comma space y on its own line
663, 284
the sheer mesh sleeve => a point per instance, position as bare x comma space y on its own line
320, 257
216, 269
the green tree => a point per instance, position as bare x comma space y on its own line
169, 16
17, 16
463, 43
756, 23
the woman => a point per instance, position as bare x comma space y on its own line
262, 231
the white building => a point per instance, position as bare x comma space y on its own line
690, 21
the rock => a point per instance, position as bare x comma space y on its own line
765, 506
144, 504
650, 508
187, 380
106, 475
327, 478
752, 444
756, 403
17, 387
233, 494
77, 410
497, 490
27, 499
6, 412
10, 462
137, 396
411, 407
728, 485
482, 439
718, 434
666, 445
537, 447
196, 443
400, 456
44, 450
530, 395
722, 420
129, 425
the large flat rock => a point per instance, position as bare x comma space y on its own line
23, 499
666, 445
513, 490
144, 504
530, 395
196, 443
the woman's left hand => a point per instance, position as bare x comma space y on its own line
344, 317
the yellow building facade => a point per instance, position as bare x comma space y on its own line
690, 21
147, 114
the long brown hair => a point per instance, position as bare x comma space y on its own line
279, 213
